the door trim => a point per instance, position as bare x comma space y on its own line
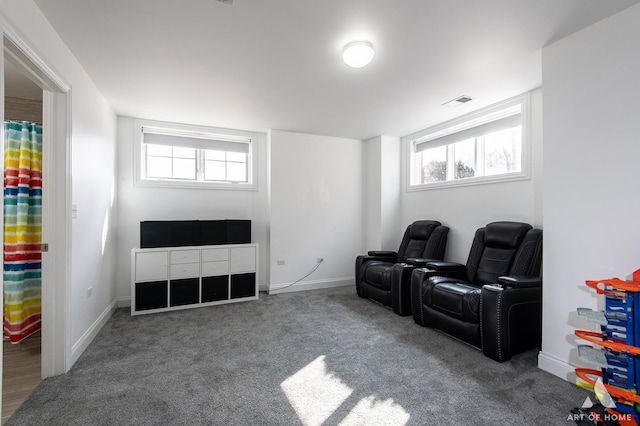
56, 214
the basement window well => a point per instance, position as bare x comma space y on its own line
172, 155
488, 145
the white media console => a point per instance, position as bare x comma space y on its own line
172, 278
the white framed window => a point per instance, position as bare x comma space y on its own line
488, 145
175, 155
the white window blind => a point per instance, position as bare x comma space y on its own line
476, 131
195, 140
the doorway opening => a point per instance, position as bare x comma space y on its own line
21, 362
56, 199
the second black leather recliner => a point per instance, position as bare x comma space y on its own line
384, 276
494, 301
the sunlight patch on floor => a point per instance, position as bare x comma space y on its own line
315, 394
370, 410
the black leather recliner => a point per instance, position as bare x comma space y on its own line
494, 301
384, 276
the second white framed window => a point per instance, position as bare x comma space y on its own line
485, 146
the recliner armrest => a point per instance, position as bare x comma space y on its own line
372, 256
382, 253
510, 317
445, 266
418, 261
401, 288
520, 281
386, 256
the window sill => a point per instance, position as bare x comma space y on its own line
152, 183
484, 180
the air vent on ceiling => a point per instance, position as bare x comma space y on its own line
458, 101
226, 1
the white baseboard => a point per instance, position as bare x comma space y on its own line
557, 367
311, 285
79, 347
123, 302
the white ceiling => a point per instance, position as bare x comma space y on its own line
276, 64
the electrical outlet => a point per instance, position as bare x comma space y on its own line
89, 291
281, 262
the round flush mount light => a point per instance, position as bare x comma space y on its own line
357, 54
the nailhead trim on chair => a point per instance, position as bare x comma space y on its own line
481, 333
421, 304
499, 327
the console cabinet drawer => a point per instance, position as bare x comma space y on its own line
184, 256
215, 255
214, 269
185, 270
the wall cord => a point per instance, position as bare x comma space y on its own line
319, 261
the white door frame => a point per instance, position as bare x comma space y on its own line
56, 202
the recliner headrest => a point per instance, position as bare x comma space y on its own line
505, 234
422, 229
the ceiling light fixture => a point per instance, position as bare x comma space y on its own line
357, 54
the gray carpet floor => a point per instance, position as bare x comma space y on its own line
306, 358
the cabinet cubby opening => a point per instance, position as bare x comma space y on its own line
185, 291
151, 295
243, 285
215, 288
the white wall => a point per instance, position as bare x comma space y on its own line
466, 208
591, 171
382, 193
93, 131
373, 195
316, 209
390, 189
136, 204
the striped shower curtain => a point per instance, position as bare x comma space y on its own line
22, 229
